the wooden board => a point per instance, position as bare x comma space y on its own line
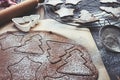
82, 36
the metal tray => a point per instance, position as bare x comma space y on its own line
92, 6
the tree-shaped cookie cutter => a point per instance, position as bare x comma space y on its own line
25, 23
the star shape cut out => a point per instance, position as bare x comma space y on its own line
114, 11
65, 12
11, 38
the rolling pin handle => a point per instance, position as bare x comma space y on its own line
18, 10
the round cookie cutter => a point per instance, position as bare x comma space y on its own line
110, 37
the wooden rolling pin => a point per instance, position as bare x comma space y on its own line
18, 10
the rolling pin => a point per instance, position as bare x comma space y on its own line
18, 10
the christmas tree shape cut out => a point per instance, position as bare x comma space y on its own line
75, 65
32, 46
57, 50
48, 69
65, 12
25, 69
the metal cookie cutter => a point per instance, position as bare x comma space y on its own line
26, 23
